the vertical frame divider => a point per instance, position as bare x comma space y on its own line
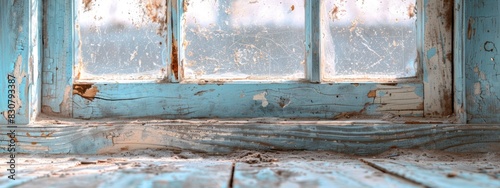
177, 57
313, 33
459, 61
59, 54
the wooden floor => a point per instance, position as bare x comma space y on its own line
155, 168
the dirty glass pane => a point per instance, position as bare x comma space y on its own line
244, 39
122, 39
369, 38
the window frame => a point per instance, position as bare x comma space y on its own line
106, 99
52, 133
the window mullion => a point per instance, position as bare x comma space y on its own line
313, 61
175, 12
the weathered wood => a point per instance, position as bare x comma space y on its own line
334, 173
437, 58
60, 47
19, 58
433, 175
459, 38
481, 61
313, 38
233, 100
223, 136
142, 171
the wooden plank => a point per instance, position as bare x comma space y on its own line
19, 59
223, 136
338, 173
437, 57
235, 100
128, 172
435, 175
313, 38
481, 61
59, 50
29, 168
459, 38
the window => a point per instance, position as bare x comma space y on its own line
326, 59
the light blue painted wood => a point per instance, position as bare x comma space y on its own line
444, 176
233, 100
313, 37
59, 47
481, 61
19, 58
459, 61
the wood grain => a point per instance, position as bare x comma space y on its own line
20, 57
223, 136
337, 173
240, 100
435, 176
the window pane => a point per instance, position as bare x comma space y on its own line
369, 39
122, 39
244, 39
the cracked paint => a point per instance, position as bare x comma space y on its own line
261, 97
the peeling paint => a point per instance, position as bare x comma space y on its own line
20, 76
261, 97
372, 94
87, 91
477, 88
398, 100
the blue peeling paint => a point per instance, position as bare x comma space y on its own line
431, 53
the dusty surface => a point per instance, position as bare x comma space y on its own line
183, 165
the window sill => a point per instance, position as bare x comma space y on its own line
360, 136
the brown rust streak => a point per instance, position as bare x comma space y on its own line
87, 91
372, 94
174, 65
470, 30
156, 10
448, 14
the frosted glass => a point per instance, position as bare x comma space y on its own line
244, 39
122, 39
369, 39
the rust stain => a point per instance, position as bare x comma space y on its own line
447, 103
420, 106
87, 4
174, 65
389, 84
156, 10
292, 8
87, 91
470, 30
46, 135
372, 94
28, 134
33, 143
124, 148
185, 6
448, 14
411, 10
334, 13
449, 56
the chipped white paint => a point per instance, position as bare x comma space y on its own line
261, 97
19, 75
477, 88
437, 55
399, 100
